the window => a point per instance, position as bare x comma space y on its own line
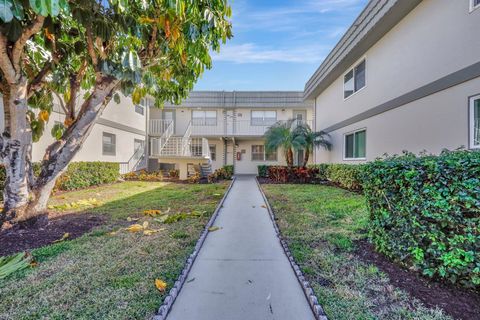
354, 80
475, 122
355, 145
259, 154
474, 4
140, 108
108, 144
204, 118
213, 152
263, 118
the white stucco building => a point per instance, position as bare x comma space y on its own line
405, 76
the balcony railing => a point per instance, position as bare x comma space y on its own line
237, 128
157, 127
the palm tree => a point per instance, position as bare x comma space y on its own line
281, 135
308, 139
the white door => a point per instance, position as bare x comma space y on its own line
300, 115
169, 115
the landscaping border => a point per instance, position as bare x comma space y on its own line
175, 290
307, 289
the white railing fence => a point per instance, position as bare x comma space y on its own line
238, 128
133, 163
157, 127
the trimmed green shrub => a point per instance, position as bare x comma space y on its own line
86, 174
345, 175
230, 170
322, 170
263, 171
425, 213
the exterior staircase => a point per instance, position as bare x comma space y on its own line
205, 169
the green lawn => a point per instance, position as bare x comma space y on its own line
321, 224
105, 276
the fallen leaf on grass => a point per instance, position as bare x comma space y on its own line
63, 238
135, 228
132, 219
161, 285
217, 194
214, 228
149, 232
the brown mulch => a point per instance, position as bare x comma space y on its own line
45, 231
457, 302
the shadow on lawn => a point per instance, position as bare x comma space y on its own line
47, 230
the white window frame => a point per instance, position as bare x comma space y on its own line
345, 145
264, 158
263, 121
474, 6
471, 121
114, 144
204, 121
141, 106
214, 153
352, 68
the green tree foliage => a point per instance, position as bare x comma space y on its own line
81, 53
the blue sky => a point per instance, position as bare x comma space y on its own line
278, 44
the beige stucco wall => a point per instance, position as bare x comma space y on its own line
122, 114
433, 123
433, 41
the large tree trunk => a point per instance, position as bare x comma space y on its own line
289, 157
306, 157
33, 202
16, 144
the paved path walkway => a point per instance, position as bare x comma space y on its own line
241, 271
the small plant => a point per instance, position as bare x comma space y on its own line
224, 173
174, 173
13, 263
194, 178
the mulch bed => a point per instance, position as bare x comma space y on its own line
457, 302
45, 231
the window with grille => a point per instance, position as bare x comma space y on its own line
263, 118
475, 122
259, 153
355, 145
204, 118
354, 80
109, 144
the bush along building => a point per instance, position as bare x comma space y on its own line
405, 76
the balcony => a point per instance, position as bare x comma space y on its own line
221, 128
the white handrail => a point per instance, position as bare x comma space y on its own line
206, 149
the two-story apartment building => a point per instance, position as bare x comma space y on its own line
221, 128
119, 135
405, 76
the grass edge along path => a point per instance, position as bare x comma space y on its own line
109, 273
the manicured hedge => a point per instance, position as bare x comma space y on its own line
425, 213
347, 176
86, 174
263, 171
78, 175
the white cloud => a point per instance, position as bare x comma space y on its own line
252, 53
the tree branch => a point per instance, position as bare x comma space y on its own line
91, 47
37, 82
5, 63
17, 52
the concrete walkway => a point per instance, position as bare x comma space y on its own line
242, 272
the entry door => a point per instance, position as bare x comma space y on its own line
137, 143
300, 116
169, 115
231, 128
